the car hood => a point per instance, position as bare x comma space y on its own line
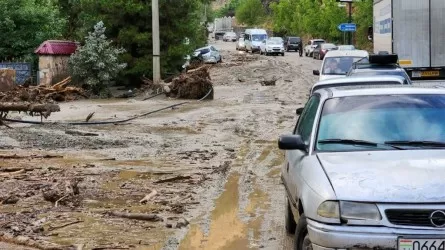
256, 43
326, 77
409, 176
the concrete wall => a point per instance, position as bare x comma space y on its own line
52, 69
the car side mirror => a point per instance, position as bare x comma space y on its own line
299, 111
291, 142
316, 72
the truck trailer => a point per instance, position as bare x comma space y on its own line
415, 31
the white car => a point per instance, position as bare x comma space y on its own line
230, 36
346, 47
272, 47
309, 48
337, 63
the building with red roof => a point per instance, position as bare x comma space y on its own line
53, 60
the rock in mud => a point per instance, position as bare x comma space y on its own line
12, 199
182, 223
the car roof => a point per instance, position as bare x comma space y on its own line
345, 53
359, 81
360, 90
378, 68
318, 39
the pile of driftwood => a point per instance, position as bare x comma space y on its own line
193, 84
38, 100
59, 92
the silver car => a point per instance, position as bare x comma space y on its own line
359, 81
365, 169
241, 45
209, 54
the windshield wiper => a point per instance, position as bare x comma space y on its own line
357, 142
417, 143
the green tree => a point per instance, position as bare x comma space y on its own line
129, 25
25, 24
251, 12
96, 63
228, 9
363, 17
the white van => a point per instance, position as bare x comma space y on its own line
253, 39
337, 63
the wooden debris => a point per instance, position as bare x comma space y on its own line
89, 116
28, 107
176, 178
136, 216
52, 228
13, 173
149, 196
80, 133
14, 156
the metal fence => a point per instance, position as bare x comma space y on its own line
23, 70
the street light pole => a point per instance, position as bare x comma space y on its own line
156, 43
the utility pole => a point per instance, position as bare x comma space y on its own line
350, 21
156, 43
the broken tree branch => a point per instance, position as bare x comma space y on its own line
146, 217
51, 228
29, 107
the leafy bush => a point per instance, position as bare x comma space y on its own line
96, 63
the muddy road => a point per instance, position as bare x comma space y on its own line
210, 171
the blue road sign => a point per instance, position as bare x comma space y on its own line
347, 27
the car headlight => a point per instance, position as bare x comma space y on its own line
359, 211
329, 209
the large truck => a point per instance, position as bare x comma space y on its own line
221, 26
415, 31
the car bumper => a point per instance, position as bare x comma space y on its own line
329, 237
275, 51
293, 47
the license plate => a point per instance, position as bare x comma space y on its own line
429, 73
421, 244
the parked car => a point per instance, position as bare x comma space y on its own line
380, 64
292, 43
229, 36
346, 47
359, 81
240, 45
321, 50
309, 48
272, 47
209, 54
337, 63
364, 167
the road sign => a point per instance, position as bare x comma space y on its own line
347, 27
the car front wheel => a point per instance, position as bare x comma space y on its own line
302, 241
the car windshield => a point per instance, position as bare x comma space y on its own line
273, 42
338, 65
294, 40
230, 34
318, 42
415, 121
259, 37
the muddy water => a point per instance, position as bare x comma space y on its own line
227, 231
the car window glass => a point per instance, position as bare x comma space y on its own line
306, 122
338, 65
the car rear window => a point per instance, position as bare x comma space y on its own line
294, 40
